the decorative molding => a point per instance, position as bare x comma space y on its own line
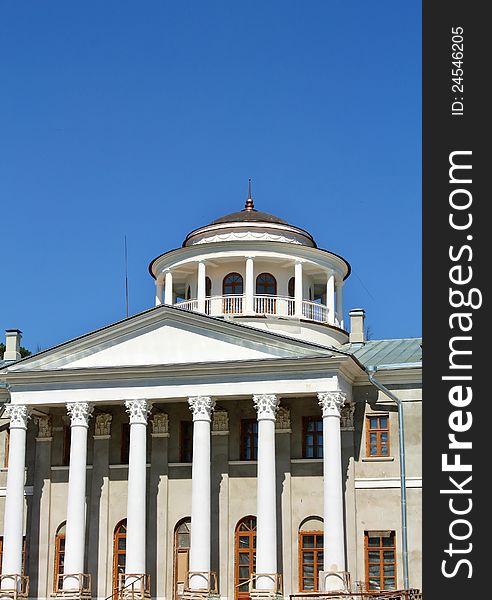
103, 425
374, 483
266, 406
18, 414
201, 407
347, 416
160, 423
220, 421
138, 410
283, 418
246, 235
79, 413
45, 427
331, 403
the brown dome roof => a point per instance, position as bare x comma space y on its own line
249, 214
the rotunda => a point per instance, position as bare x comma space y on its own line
255, 267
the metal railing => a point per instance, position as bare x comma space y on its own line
14, 586
209, 579
410, 594
133, 586
262, 304
80, 585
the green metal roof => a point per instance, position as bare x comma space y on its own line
387, 352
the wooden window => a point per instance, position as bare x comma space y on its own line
380, 553
310, 560
377, 436
119, 554
23, 555
7, 447
266, 285
186, 442
67, 438
244, 556
312, 437
232, 284
182, 538
125, 443
59, 557
249, 439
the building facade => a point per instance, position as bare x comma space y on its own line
225, 442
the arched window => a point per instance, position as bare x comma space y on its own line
244, 556
232, 284
208, 287
188, 293
59, 557
182, 535
310, 553
266, 285
291, 287
119, 554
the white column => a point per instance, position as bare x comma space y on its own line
158, 290
13, 528
266, 525
334, 538
137, 488
339, 290
298, 289
249, 287
201, 407
80, 413
168, 291
330, 297
200, 295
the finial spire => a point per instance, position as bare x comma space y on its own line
249, 202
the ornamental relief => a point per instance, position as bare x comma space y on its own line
220, 421
18, 415
250, 235
201, 407
283, 418
331, 402
45, 426
266, 405
347, 416
160, 423
138, 410
103, 424
80, 413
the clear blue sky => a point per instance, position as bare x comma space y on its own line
147, 118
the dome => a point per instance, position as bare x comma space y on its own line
251, 223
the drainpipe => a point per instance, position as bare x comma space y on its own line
371, 370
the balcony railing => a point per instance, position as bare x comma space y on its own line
14, 586
262, 305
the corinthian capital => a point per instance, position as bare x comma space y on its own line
18, 415
331, 403
80, 413
138, 410
201, 407
266, 406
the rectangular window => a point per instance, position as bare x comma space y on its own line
125, 443
67, 436
377, 435
186, 442
312, 437
310, 560
380, 553
249, 439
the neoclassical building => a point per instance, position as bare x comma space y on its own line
226, 442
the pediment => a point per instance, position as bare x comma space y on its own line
164, 336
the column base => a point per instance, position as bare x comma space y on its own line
334, 581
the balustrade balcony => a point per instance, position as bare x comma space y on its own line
262, 305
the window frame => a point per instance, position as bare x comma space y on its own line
305, 420
378, 432
117, 535
244, 435
316, 561
233, 284
381, 549
186, 442
264, 284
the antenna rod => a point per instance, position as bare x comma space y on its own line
126, 278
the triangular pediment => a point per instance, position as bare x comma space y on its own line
164, 336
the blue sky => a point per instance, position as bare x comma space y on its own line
147, 118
